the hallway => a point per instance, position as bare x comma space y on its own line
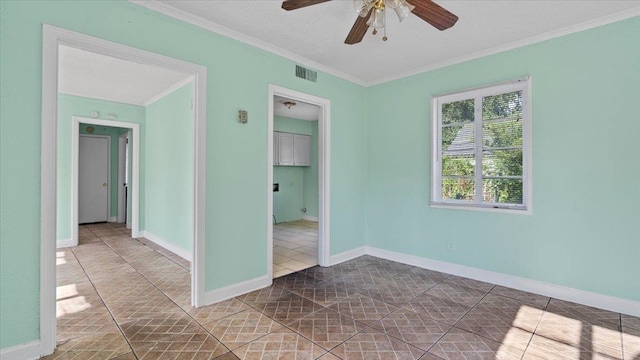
117, 295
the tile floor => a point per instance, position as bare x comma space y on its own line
123, 298
295, 246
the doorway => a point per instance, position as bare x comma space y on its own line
131, 175
53, 39
311, 224
295, 186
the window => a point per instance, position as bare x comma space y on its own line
482, 148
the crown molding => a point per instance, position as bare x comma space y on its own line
608, 19
225, 31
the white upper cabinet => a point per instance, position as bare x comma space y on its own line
291, 149
301, 147
285, 148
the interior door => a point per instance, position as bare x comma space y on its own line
93, 179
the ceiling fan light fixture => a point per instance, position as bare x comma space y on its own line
394, 3
403, 10
376, 21
362, 7
289, 104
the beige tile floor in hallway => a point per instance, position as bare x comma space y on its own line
123, 298
295, 246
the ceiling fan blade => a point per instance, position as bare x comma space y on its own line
297, 4
433, 13
358, 30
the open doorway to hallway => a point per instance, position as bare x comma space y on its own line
110, 277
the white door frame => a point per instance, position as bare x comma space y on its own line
324, 178
135, 171
52, 38
75, 179
122, 164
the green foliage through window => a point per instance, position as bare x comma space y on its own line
487, 147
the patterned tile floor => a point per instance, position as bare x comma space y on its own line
295, 246
123, 298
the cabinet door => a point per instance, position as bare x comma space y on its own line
301, 150
276, 148
285, 149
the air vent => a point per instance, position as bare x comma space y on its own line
307, 74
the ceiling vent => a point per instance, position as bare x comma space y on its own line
307, 74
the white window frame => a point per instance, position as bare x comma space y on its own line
436, 201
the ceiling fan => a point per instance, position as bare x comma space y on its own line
371, 13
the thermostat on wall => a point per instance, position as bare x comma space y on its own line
243, 116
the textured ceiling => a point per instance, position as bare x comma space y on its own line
314, 35
300, 110
84, 73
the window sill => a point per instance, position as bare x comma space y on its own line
520, 210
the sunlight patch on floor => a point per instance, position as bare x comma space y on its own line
60, 260
68, 301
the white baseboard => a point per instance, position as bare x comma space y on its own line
26, 351
113, 219
347, 255
231, 291
310, 218
183, 253
588, 298
65, 243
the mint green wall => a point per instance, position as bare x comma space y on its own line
288, 201
169, 168
236, 160
69, 106
298, 188
586, 196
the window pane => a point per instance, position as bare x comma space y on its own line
457, 112
458, 188
508, 105
458, 140
502, 120
502, 132
504, 191
502, 162
458, 165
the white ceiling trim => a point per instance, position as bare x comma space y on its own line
169, 90
222, 30
608, 19
225, 31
